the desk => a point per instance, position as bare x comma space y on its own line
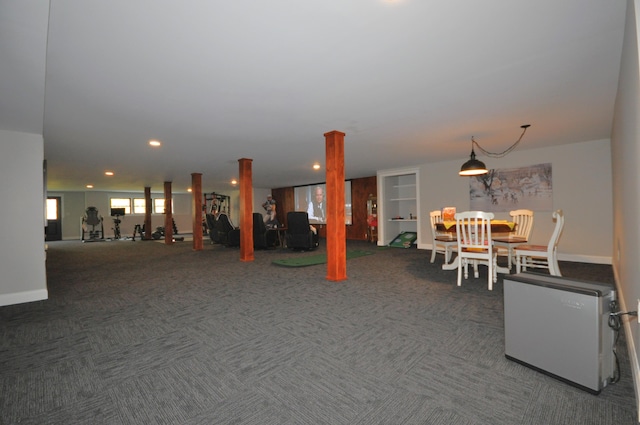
497, 227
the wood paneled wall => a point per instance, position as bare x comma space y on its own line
360, 191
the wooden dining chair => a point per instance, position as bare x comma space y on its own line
442, 242
542, 256
523, 220
473, 231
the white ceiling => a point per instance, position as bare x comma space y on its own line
408, 81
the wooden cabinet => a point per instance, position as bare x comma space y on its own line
398, 204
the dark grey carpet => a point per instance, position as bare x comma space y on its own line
144, 333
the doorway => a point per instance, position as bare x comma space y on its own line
53, 231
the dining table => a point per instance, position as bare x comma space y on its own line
498, 227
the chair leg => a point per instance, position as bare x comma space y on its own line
495, 270
433, 253
510, 255
490, 271
554, 268
460, 265
476, 272
466, 268
518, 262
447, 255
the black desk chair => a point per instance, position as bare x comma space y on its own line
299, 234
221, 229
263, 238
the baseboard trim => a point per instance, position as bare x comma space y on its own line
576, 258
23, 297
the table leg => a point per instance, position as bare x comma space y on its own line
452, 265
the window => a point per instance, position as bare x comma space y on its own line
52, 209
139, 206
158, 205
121, 203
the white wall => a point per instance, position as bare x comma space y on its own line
74, 204
22, 251
582, 192
625, 149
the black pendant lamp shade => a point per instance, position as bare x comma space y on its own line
473, 167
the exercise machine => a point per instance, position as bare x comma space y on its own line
117, 213
92, 223
159, 233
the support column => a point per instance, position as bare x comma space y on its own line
336, 231
196, 207
168, 215
246, 210
148, 207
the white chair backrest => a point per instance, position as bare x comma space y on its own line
473, 229
524, 222
435, 217
558, 216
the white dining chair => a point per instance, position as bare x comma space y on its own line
523, 220
473, 231
442, 242
542, 256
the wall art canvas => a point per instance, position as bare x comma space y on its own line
513, 188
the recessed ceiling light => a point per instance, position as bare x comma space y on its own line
189, 190
154, 143
89, 186
234, 182
108, 173
316, 166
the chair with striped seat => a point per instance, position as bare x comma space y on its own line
473, 230
442, 242
542, 256
523, 220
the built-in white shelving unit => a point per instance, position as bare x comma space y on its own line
398, 205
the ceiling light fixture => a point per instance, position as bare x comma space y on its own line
475, 167
316, 166
108, 173
154, 143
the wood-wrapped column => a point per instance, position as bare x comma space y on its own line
246, 210
336, 231
148, 208
168, 215
196, 208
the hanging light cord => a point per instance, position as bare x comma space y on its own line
505, 152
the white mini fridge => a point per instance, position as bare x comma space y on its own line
559, 326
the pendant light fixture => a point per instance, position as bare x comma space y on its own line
475, 167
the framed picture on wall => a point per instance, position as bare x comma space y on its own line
502, 190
